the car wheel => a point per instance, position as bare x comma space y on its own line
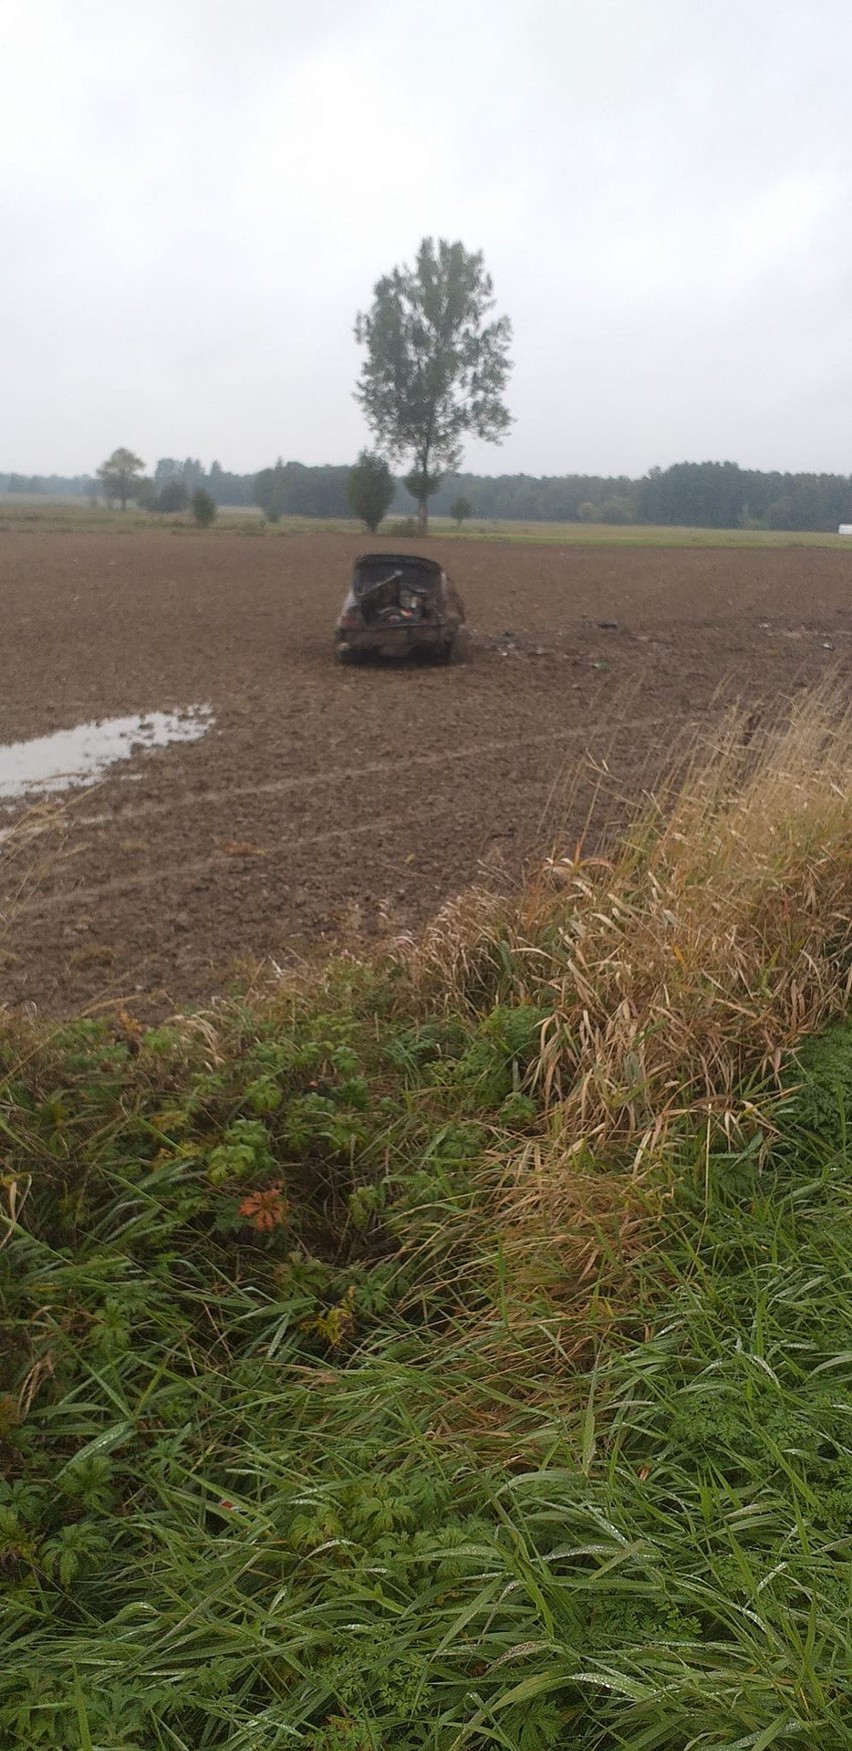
444, 652
347, 657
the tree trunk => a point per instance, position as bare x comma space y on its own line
423, 516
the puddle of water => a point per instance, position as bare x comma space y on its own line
81, 756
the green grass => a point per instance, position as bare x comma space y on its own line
66, 515
456, 1350
633, 535
332, 1482
38, 513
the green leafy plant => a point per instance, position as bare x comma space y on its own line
314, 1432
370, 489
204, 508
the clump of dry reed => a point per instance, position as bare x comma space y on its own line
28, 854
683, 966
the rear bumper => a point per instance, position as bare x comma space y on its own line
393, 641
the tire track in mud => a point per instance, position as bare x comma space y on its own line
221, 861
160, 889
369, 769
202, 866
224, 860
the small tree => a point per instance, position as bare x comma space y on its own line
435, 367
270, 491
461, 508
119, 476
780, 514
171, 497
370, 489
617, 510
203, 508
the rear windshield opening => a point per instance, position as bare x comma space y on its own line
396, 591
412, 578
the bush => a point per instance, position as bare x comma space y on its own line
370, 489
203, 508
617, 510
780, 514
460, 509
171, 497
270, 491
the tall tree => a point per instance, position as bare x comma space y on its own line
435, 368
370, 489
119, 476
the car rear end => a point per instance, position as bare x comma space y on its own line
396, 606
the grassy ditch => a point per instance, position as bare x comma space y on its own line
457, 1351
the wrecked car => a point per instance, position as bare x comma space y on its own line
398, 604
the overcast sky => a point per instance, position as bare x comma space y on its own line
196, 196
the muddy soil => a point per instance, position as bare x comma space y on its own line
332, 805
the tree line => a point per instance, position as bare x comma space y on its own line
435, 369
710, 495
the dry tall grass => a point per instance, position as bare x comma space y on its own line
682, 967
31, 845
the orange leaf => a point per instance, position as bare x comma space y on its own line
266, 1209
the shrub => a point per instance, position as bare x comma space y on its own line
203, 508
270, 491
370, 489
171, 497
617, 510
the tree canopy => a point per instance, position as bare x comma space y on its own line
172, 496
717, 495
120, 475
204, 508
370, 489
292, 489
435, 367
460, 509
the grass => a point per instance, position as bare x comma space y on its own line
456, 1350
66, 515
633, 535
693, 956
37, 513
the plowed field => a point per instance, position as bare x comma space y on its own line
329, 804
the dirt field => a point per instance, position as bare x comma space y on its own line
331, 804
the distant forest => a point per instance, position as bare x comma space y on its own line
710, 495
